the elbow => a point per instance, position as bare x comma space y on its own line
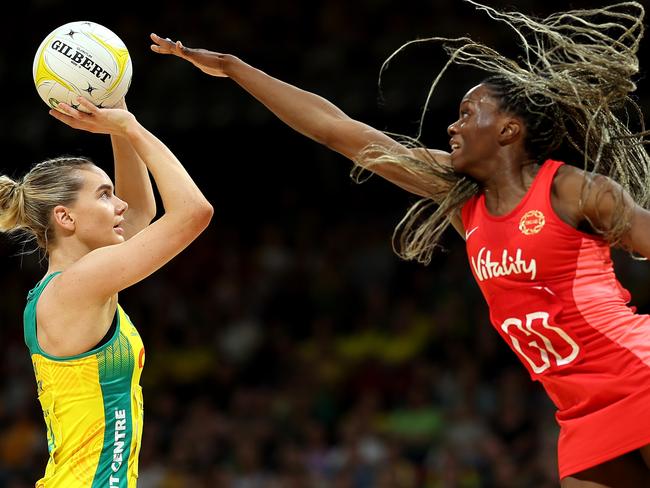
193, 219
205, 213
340, 135
208, 210
190, 223
202, 214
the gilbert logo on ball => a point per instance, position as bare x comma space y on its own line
82, 58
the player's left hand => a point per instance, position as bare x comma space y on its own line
90, 118
209, 62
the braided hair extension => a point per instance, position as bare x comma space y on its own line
572, 87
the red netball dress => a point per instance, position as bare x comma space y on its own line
555, 300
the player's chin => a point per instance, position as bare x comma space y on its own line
465, 164
115, 239
457, 163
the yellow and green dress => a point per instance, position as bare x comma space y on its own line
92, 405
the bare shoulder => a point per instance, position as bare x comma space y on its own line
69, 326
568, 180
59, 302
566, 194
572, 184
578, 195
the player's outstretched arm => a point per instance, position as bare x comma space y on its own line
307, 113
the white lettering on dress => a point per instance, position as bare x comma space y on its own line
118, 445
485, 268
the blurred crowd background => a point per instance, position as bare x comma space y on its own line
289, 347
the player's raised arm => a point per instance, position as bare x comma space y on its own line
132, 184
312, 115
108, 269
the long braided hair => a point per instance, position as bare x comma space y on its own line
572, 87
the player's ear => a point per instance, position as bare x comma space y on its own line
511, 130
63, 219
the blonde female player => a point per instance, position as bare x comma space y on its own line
86, 353
538, 232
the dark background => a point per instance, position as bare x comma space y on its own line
288, 346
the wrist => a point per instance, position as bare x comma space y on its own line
229, 64
130, 127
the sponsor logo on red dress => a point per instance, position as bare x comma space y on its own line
487, 266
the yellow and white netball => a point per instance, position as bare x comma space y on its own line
82, 58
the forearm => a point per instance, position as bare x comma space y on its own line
179, 194
132, 184
305, 112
